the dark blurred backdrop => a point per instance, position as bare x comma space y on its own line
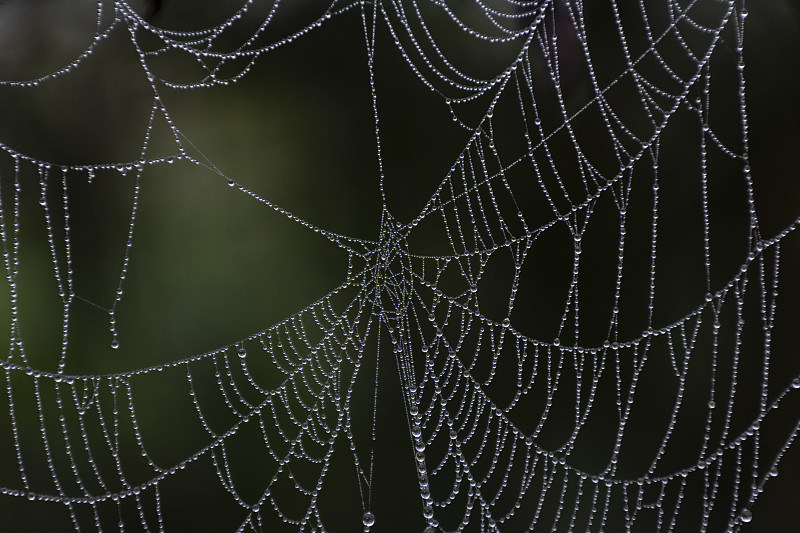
210, 265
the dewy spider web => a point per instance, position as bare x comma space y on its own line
545, 340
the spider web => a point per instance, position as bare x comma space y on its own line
575, 326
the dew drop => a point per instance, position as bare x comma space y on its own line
115, 344
231, 183
712, 404
796, 383
43, 200
427, 511
242, 352
506, 322
773, 472
170, 159
746, 515
368, 519
416, 431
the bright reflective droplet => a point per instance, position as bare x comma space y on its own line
506, 322
746, 515
416, 431
796, 383
427, 511
368, 519
242, 352
231, 183
115, 344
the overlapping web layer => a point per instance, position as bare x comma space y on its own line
551, 378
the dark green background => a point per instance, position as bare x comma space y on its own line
210, 265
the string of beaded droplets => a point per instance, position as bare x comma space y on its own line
480, 454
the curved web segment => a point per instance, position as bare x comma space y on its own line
550, 377
299, 415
